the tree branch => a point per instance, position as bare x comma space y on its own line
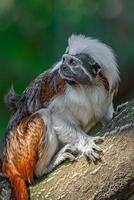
110, 179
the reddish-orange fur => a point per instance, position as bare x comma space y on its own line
22, 153
19, 190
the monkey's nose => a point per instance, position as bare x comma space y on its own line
69, 59
64, 67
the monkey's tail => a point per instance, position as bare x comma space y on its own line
19, 190
11, 99
18, 184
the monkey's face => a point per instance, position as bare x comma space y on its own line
79, 69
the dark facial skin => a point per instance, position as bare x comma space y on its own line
79, 68
88, 63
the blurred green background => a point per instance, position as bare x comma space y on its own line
33, 36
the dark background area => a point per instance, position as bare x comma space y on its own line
33, 36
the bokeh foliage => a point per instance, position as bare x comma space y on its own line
33, 36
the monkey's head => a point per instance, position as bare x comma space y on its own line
79, 68
88, 61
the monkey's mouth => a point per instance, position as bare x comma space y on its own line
70, 82
68, 77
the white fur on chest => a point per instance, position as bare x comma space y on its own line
85, 106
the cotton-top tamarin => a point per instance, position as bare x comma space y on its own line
57, 109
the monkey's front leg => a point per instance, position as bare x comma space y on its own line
70, 134
86, 145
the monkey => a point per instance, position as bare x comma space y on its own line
56, 110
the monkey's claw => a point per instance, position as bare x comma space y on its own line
67, 152
68, 156
69, 148
91, 149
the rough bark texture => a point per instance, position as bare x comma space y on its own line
112, 178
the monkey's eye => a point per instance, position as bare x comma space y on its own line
72, 62
96, 68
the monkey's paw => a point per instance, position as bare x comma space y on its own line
91, 150
66, 153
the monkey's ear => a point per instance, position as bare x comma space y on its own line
96, 69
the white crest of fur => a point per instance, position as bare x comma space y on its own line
99, 51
